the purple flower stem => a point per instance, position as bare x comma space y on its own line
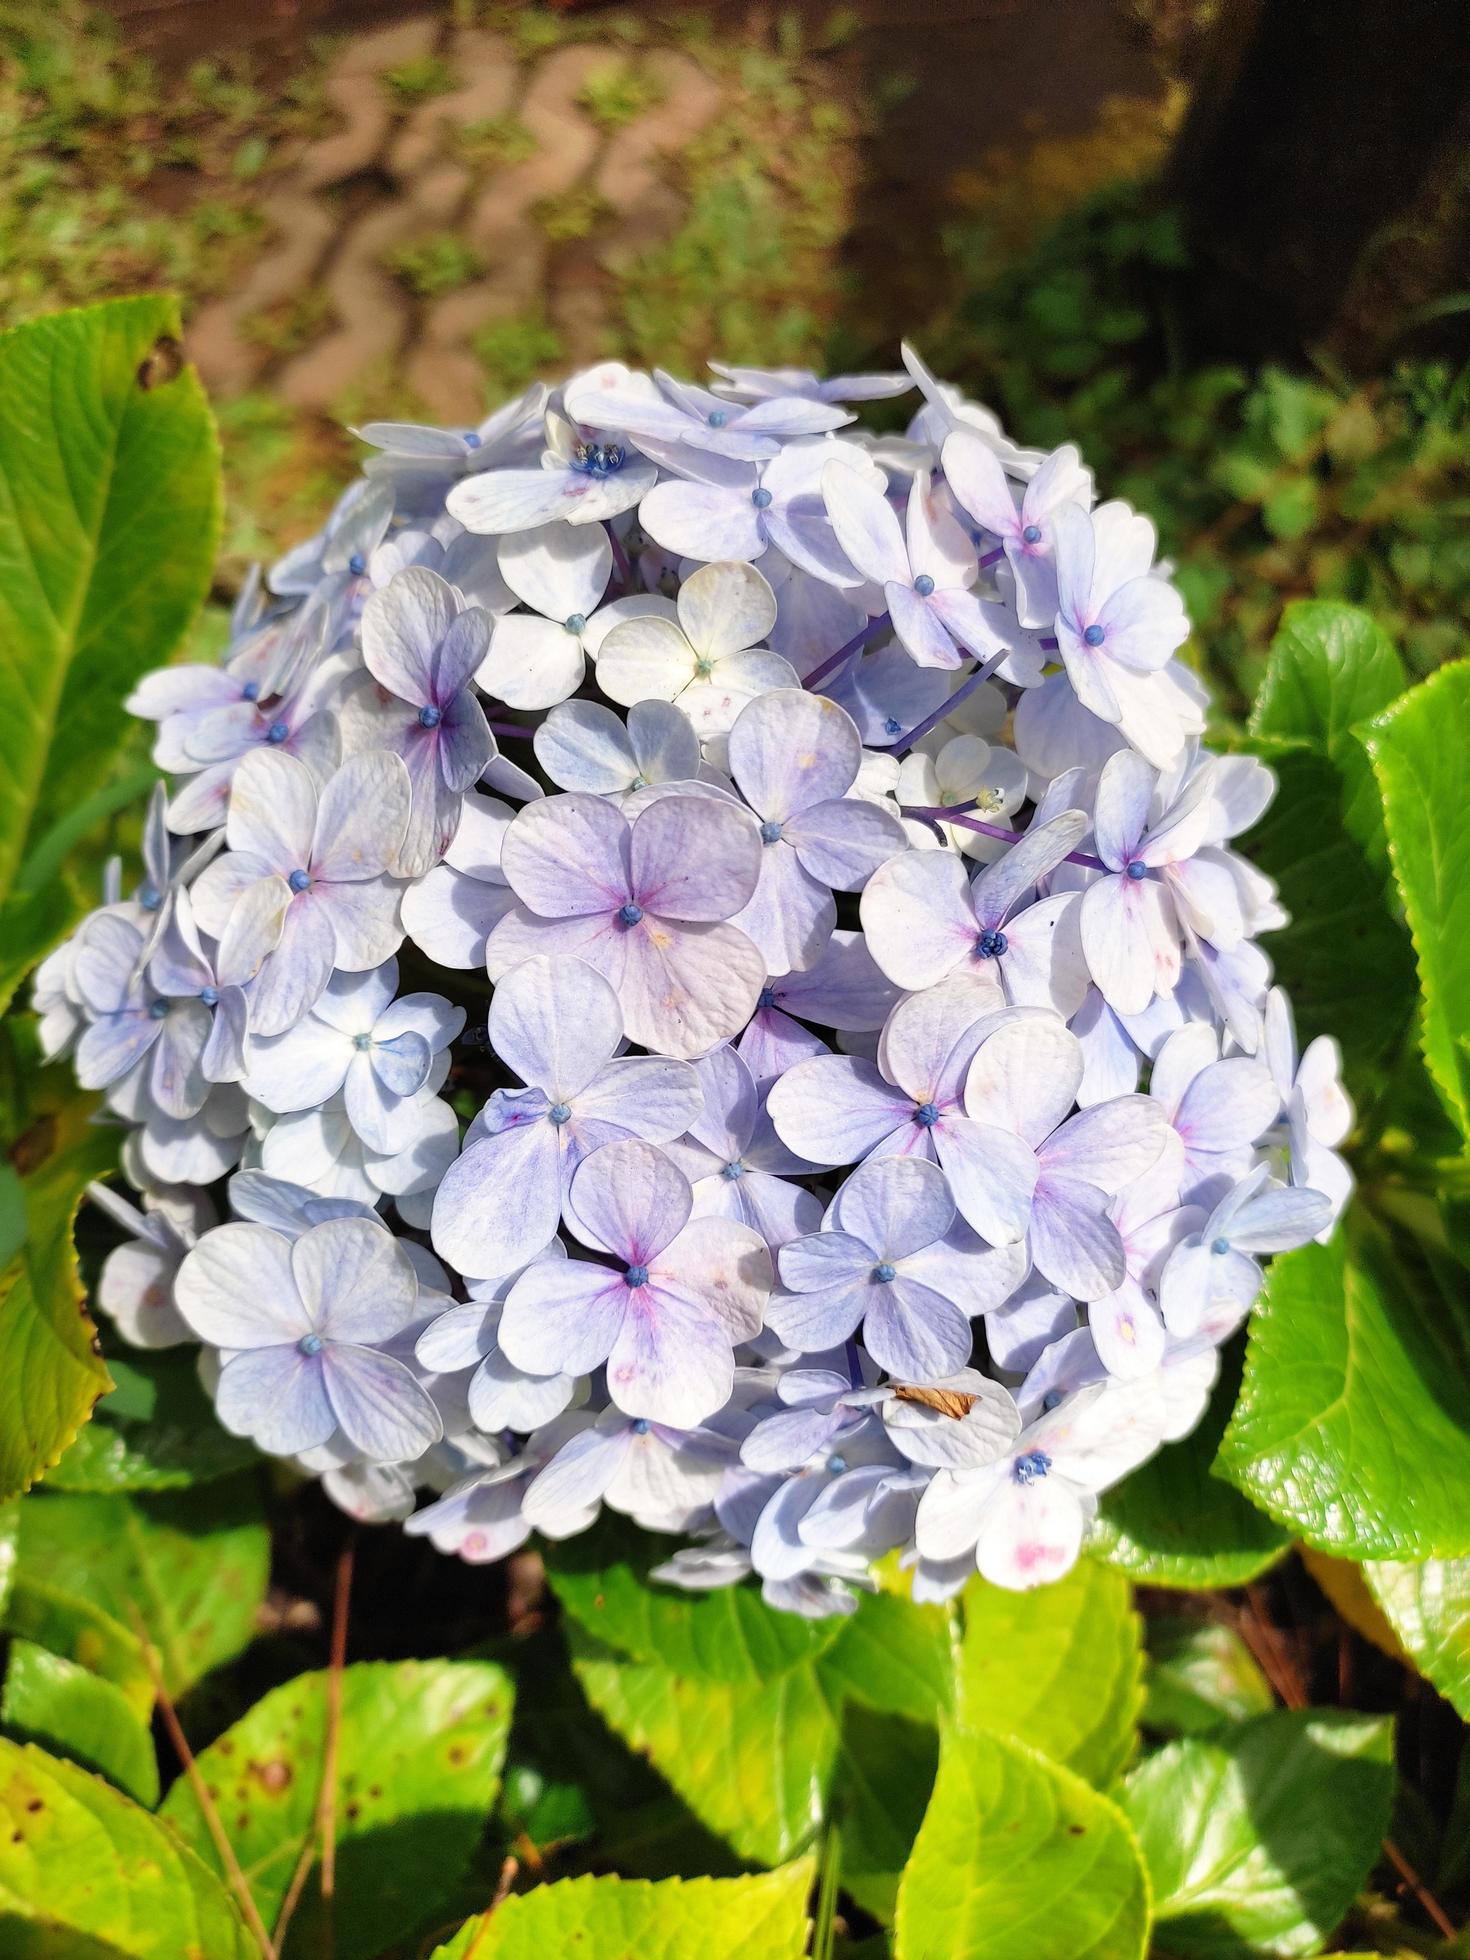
938, 813
620, 560
510, 728
1050, 642
904, 743
991, 557
854, 645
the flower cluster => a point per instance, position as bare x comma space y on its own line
876, 1103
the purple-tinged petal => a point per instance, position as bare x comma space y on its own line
363, 815
563, 1315
686, 988
1108, 1145
791, 750
916, 1334
1030, 1534
1025, 1075
894, 1205
695, 859
555, 1023
379, 1404
1073, 1241
918, 624
278, 1397
273, 811
629, 1200
500, 1202
834, 1109
992, 1173
866, 525
845, 841
236, 1290
918, 918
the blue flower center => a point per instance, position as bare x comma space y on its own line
767, 997
299, 881
991, 944
250, 691
559, 1113
770, 833
642, 1426
923, 585
150, 897
630, 914
1051, 1400
636, 1276
277, 733
836, 1464
926, 1116
357, 564
310, 1344
362, 1042
893, 726
598, 458
1219, 1246
158, 1010
430, 717
210, 996
471, 439
1137, 871
718, 418
1094, 636
575, 624
884, 1274
1031, 1467
1032, 534
733, 1170
761, 497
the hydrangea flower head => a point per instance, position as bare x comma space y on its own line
692, 960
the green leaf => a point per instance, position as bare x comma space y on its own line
758, 1918
1428, 1607
752, 1763
50, 1370
109, 518
67, 1624
1331, 667
1353, 1424
1258, 1840
420, 1749
1060, 1668
85, 1874
80, 1715
1200, 1676
9, 1548
195, 1571
1344, 958
895, 1657
156, 1430
881, 1789
1018, 1857
729, 1634
1418, 751
1174, 1523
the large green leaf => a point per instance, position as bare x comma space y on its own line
420, 1749
1331, 668
1060, 1668
85, 1874
752, 1763
75, 1713
1353, 1424
1200, 1676
729, 1634
881, 1789
109, 517
155, 1430
1258, 1840
1419, 751
73, 1626
50, 1371
1428, 1607
1016, 1858
894, 1656
758, 1918
1174, 1523
1344, 958
194, 1569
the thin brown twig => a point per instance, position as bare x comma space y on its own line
238, 1882
1420, 1890
1259, 1635
502, 1891
327, 1808
325, 1804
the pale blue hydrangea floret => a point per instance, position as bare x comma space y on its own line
794, 851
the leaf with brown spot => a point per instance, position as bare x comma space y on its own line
419, 1757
